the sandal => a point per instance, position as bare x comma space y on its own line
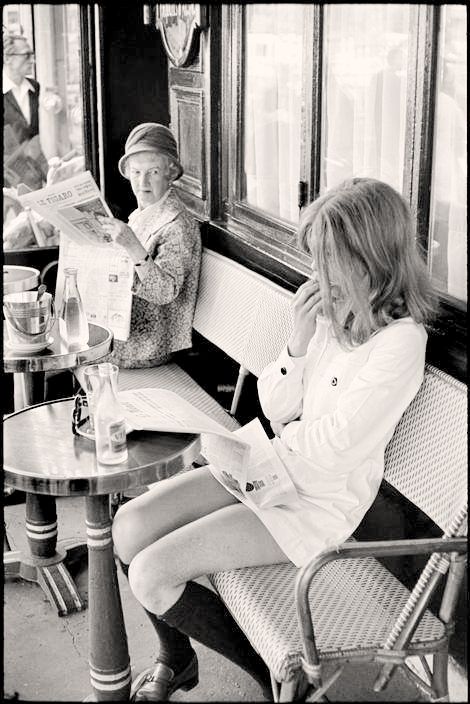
157, 684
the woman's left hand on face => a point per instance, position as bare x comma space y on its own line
119, 232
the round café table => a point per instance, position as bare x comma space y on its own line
29, 369
41, 515
55, 462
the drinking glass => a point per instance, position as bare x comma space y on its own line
92, 388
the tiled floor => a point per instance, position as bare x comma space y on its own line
45, 657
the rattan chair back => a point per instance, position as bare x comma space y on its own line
426, 459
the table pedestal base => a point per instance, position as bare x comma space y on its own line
45, 563
51, 574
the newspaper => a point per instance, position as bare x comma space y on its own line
105, 271
72, 206
244, 461
165, 411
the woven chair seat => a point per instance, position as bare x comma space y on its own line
354, 606
172, 378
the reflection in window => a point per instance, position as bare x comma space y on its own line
364, 92
448, 235
272, 102
43, 111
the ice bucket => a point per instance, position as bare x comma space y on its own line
28, 320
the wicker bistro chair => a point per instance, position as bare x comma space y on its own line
344, 606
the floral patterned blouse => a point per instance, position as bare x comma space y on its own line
163, 302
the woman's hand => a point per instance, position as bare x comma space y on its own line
307, 305
123, 235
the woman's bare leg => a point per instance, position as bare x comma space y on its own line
166, 507
227, 538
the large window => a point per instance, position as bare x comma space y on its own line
272, 107
314, 94
43, 136
364, 93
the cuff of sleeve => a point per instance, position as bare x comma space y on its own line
288, 435
286, 363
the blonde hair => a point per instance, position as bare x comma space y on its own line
361, 236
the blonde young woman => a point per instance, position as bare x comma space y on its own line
353, 363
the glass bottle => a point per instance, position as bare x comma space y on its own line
72, 311
110, 425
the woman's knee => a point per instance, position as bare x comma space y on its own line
150, 579
126, 533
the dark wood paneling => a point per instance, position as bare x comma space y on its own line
88, 78
195, 120
135, 80
188, 125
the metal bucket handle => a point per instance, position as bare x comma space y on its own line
14, 325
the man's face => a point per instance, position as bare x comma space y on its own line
149, 176
20, 61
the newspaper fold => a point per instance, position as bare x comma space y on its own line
244, 461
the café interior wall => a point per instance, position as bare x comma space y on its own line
135, 80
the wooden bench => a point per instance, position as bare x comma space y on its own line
344, 606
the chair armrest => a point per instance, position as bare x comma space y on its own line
348, 550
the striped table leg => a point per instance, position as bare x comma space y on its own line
110, 671
41, 525
45, 564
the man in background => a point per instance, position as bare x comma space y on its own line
23, 159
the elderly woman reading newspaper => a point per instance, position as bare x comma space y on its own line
164, 243
353, 363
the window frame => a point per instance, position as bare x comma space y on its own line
275, 235
260, 241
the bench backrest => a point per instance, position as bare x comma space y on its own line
241, 312
426, 459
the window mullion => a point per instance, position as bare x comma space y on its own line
238, 82
420, 118
315, 102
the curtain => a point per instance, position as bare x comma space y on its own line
272, 107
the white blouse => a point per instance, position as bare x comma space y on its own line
340, 408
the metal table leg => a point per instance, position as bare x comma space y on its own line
45, 562
110, 671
